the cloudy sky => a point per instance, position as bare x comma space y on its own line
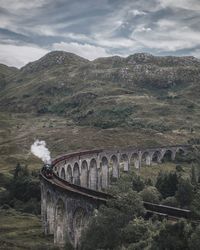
97, 28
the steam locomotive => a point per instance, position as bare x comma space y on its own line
47, 170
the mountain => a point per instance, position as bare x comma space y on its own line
5, 73
75, 104
140, 90
54, 59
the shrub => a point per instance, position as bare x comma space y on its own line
179, 168
22, 191
137, 183
105, 228
167, 183
195, 205
150, 194
184, 193
173, 236
194, 240
137, 234
170, 201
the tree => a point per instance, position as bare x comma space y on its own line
167, 183
137, 234
184, 194
105, 229
194, 241
172, 236
23, 191
17, 170
170, 201
193, 175
150, 194
137, 183
195, 206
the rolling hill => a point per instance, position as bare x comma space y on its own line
108, 102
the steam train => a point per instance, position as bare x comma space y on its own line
47, 170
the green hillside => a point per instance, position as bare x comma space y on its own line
74, 103
108, 92
5, 74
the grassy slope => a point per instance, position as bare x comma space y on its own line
18, 132
68, 103
22, 231
151, 172
140, 100
137, 92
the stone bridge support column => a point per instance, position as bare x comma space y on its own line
125, 162
137, 163
44, 209
84, 173
139, 160
60, 227
105, 172
126, 166
50, 212
99, 174
173, 154
148, 160
135, 160
115, 166
93, 174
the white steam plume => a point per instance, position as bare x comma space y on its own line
40, 150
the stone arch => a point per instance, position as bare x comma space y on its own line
146, 159
84, 174
124, 162
114, 166
62, 175
60, 223
76, 174
50, 213
93, 174
105, 172
69, 173
79, 223
167, 155
179, 154
180, 151
134, 161
156, 157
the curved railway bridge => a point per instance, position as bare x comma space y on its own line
79, 182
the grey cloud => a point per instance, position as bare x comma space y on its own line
113, 26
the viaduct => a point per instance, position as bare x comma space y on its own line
79, 184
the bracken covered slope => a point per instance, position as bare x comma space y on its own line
73, 103
108, 92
